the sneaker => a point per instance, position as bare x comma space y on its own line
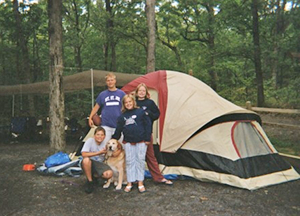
89, 187
98, 182
95, 181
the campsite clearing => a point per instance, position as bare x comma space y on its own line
30, 193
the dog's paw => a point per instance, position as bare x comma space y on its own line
106, 185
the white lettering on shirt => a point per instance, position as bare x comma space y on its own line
112, 103
112, 100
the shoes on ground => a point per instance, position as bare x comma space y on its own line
167, 182
142, 188
128, 188
89, 187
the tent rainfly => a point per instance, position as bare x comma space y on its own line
75, 82
202, 135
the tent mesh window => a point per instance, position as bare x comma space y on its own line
248, 140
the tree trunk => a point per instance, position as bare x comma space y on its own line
279, 30
150, 13
105, 51
78, 61
211, 45
257, 61
23, 56
77, 47
18, 35
211, 70
36, 63
56, 96
172, 47
113, 55
111, 44
3, 65
177, 54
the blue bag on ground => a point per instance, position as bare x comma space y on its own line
57, 159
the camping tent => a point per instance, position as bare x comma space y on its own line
202, 135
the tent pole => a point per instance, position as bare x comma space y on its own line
92, 86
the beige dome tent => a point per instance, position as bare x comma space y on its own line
202, 135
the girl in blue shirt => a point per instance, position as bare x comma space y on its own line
136, 128
143, 101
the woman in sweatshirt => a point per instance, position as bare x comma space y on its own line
143, 101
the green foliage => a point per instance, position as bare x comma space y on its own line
184, 33
78, 104
288, 96
285, 146
133, 58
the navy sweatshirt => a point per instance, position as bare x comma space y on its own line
150, 108
135, 125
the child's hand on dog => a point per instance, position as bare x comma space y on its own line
103, 151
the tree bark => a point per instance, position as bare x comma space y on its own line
18, 36
150, 13
3, 65
278, 35
23, 56
77, 47
257, 61
36, 63
105, 51
56, 96
171, 46
205, 35
110, 39
176, 51
211, 45
78, 61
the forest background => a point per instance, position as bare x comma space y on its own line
213, 40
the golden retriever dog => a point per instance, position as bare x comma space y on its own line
115, 158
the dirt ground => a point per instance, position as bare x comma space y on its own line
30, 193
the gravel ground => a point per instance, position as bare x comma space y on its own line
30, 193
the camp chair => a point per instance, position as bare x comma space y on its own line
22, 128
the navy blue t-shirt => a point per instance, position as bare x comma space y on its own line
110, 103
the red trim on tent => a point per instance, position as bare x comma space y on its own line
155, 80
232, 138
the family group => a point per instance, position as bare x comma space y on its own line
129, 119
